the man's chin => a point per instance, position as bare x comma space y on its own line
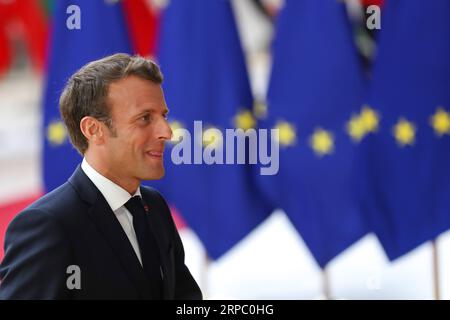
155, 174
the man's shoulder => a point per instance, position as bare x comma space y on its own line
62, 196
57, 203
59, 209
151, 193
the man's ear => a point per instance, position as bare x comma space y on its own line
93, 130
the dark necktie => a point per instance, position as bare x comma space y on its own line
147, 244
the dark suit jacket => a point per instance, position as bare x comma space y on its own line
74, 225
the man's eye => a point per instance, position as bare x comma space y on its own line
145, 118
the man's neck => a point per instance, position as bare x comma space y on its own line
130, 185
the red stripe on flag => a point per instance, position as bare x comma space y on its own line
179, 221
142, 23
5, 52
367, 3
36, 32
26, 20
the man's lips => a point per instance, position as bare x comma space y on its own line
155, 154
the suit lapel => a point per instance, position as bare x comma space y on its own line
108, 225
113, 232
156, 230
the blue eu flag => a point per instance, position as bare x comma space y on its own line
206, 80
405, 181
316, 89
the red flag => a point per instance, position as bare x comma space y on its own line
5, 51
33, 18
24, 19
142, 21
367, 3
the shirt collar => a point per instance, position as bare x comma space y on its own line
115, 195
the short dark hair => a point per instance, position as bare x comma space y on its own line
86, 91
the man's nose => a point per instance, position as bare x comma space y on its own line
165, 131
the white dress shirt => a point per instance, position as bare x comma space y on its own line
116, 197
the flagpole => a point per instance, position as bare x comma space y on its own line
436, 278
204, 276
326, 283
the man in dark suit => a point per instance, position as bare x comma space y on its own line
102, 235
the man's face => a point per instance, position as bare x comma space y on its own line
138, 111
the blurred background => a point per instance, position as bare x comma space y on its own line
359, 89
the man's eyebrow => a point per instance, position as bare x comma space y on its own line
146, 111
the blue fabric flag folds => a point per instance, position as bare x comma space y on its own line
316, 86
206, 80
405, 181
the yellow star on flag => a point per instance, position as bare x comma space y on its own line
244, 120
404, 132
322, 142
176, 135
356, 128
56, 133
360, 125
440, 122
369, 118
287, 135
